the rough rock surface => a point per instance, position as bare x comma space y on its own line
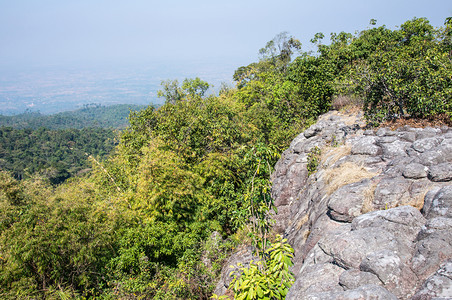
243, 256
375, 220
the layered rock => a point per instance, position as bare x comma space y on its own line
374, 221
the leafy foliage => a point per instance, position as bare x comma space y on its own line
51, 239
141, 223
269, 278
313, 159
54, 154
399, 73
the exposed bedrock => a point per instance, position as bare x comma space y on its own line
374, 221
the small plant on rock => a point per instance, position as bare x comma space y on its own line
313, 159
269, 278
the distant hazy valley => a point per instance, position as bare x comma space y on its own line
51, 90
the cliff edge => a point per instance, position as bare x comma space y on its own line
368, 212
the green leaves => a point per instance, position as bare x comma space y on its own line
399, 73
266, 279
313, 159
136, 226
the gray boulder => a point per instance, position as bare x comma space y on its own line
437, 286
426, 144
415, 171
354, 278
366, 145
345, 209
365, 292
441, 172
433, 246
439, 204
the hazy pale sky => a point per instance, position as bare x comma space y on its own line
40, 32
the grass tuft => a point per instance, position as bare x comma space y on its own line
346, 173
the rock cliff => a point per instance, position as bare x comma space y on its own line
374, 220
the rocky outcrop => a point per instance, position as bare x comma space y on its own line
241, 258
375, 220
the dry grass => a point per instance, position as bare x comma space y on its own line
242, 237
436, 121
346, 173
330, 155
306, 234
369, 194
302, 221
349, 117
346, 103
418, 201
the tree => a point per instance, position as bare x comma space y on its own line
171, 91
280, 49
195, 87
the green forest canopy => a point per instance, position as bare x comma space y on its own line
59, 146
138, 225
91, 115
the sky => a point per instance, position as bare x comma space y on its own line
231, 32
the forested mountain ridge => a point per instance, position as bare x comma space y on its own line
53, 154
58, 146
93, 115
190, 181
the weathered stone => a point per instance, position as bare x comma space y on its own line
314, 279
441, 172
309, 251
415, 171
357, 159
436, 156
404, 221
426, 144
351, 248
372, 160
287, 159
315, 256
313, 130
447, 142
353, 278
438, 286
366, 145
365, 292
394, 149
295, 179
396, 166
395, 275
298, 148
407, 136
369, 132
386, 139
413, 165
418, 189
427, 132
428, 200
383, 131
440, 205
391, 192
299, 138
345, 209
434, 246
